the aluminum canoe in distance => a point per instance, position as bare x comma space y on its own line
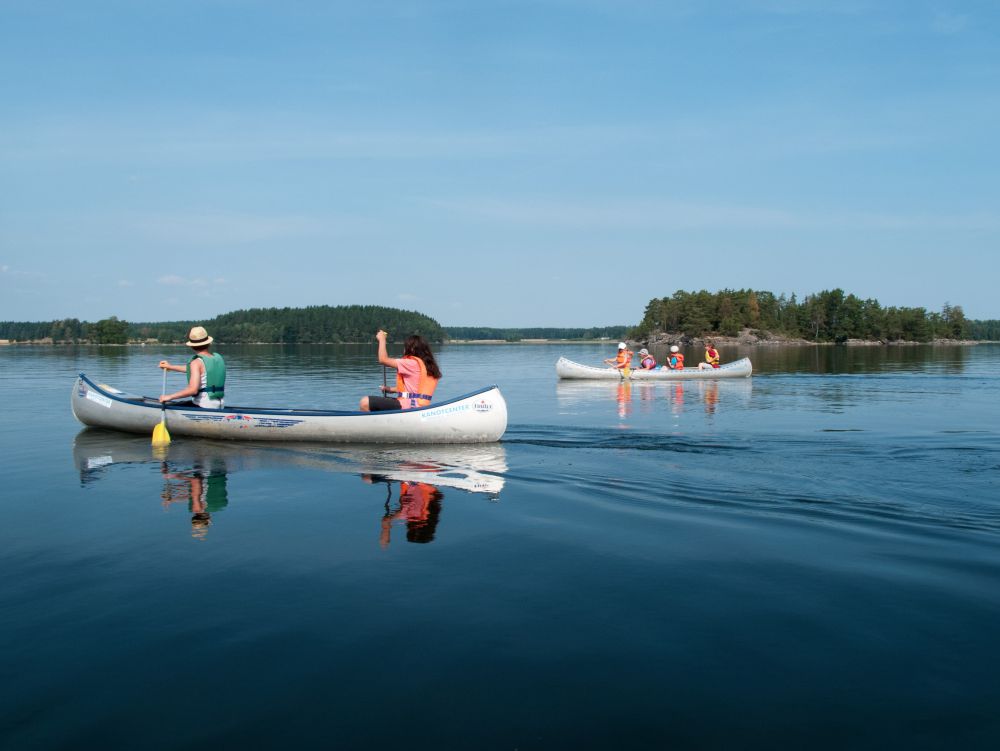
477, 417
567, 369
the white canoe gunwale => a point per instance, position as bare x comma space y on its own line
476, 417
567, 369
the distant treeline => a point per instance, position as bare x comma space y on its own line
985, 330
69, 330
314, 324
480, 333
828, 316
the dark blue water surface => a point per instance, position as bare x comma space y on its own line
809, 558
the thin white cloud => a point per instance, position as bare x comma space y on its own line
667, 214
949, 23
196, 282
224, 228
125, 283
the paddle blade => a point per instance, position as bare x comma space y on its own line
626, 372
160, 435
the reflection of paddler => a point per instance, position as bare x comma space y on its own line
419, 507
711, 396
624, 397
677, 403
205, 495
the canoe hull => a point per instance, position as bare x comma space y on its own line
567, 369
479, 417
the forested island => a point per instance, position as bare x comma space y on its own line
826, 317
310, 325
830, 316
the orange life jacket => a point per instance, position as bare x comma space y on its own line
624, 358
425, 387
415, 500
676, 361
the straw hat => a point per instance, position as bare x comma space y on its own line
198, 337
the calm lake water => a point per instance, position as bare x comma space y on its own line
806, 559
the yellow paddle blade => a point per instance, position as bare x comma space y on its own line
161, 437
627, 373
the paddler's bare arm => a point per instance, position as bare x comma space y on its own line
383, 354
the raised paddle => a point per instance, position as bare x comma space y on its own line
385, 385
161, 437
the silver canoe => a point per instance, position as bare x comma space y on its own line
478, 417
573, 370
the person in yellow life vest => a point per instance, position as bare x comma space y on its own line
676, 359
646, 360
711, 357
206, 373
624, 358
417, 375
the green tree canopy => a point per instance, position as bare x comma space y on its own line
827, 316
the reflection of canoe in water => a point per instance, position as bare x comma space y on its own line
475, 468
478, 417
573, 370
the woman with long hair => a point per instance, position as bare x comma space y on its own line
417, 375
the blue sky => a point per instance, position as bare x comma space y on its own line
505, 163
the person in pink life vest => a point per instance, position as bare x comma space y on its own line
417, 375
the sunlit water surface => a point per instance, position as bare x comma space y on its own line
808, 558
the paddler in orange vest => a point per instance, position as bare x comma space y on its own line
417, 375
623, 359
676, 359
711, 357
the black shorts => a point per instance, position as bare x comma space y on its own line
382, 403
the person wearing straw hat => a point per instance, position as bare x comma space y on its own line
646, 360
206, 373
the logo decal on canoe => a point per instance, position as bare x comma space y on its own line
243, 421
99, 398
442, 411
482, 406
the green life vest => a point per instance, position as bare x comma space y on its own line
216, 496
215, 375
